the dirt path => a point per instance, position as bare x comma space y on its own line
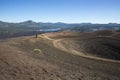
19, 62
57, 43
87, 65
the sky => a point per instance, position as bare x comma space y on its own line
68, 11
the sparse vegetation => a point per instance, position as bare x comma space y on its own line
40, 59
37, 50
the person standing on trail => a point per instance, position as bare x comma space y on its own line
36, 35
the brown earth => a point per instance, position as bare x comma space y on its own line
18, 61
101, 44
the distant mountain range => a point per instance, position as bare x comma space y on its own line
94, 27
35, 25
31, 27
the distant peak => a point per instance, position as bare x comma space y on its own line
29, 21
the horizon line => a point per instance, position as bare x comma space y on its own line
60, 22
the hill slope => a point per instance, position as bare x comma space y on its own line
105, 44
18, 61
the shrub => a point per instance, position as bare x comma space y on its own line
37, 50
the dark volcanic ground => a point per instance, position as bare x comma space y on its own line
19, 62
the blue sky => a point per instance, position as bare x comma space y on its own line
69, 11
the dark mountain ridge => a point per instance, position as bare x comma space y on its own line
32, 27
